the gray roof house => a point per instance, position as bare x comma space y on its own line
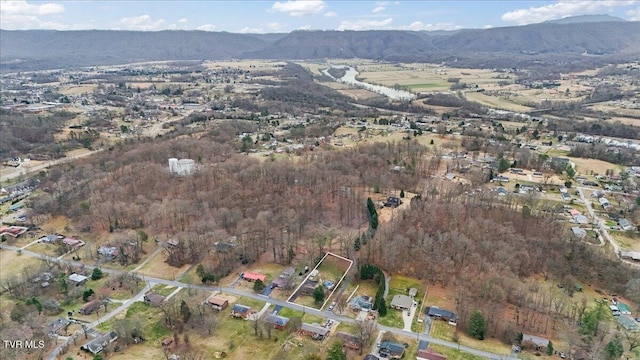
579, 232
537, 341
401, 302
100, 342
54, 329
625, 224
443, 314
316, 331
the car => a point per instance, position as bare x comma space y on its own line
333, 304
22, 218
562, 355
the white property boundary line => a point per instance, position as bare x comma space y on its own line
315, 268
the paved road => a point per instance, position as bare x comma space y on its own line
602, 226
233, 291
19, 171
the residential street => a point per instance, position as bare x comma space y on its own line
233, 291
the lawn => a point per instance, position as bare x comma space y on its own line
254, 304
400, 285
163, 290
332, 268
453, 354
442, 330
13, 263
289, 313
393, 318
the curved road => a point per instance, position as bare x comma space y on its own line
602, 226
233, 291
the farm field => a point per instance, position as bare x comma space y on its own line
589, 166
495, 102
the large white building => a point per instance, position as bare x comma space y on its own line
182, 167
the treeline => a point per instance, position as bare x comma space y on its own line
487, 251
613, 155
33, 135
453, 101
130, 187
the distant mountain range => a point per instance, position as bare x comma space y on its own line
569, 40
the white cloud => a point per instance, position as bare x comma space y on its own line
142, 22
561, 9
419, 26
248, 30
380, 6
182, 21
634, 15
19, 14
206, 27
305, 27
21, 7
331, 14
488, 26
275, 26
299, 7
365, 24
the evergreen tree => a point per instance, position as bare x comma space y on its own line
477, 325
258, 286
318, 293
96, 274
185, 312
614, 349
402, 193
336, 352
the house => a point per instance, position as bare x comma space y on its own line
288, 272
625, 224
361, 303
57, 327
537, 342
108, 252
153, 299
429, 354
251, 276
217, 303
443, 314
579, 232
401, 302
393, 201
391, 350
241, 311
277, 322
581, 219
633, 255
500, 178
624, 309
308, 287
77, 279
628, 323
565, 196
49, 239
605, 203
90, 307
278, 283
99, 343
172, 243
316, 331
73, 242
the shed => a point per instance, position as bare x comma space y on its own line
413, 292
579, 232
90, 307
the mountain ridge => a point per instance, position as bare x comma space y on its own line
547, 42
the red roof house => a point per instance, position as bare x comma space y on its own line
251, 276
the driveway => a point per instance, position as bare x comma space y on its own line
407, 316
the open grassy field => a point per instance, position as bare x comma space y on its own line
589, 166
495, 102
627, 240
77, 89
12, 263
442, 330
159, 268
453, 354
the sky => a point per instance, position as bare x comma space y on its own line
288, 15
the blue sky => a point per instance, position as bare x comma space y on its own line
288, 15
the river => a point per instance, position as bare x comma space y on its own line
350, 78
